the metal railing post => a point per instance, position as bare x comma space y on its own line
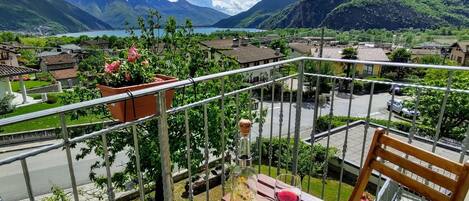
464, 146
163, 137
141, 188
442, 110
261, 125
27, 179
71, 171
271, 120
315, 119
367, 123
189, 153
299, 101
329, 127
222, 124
344, 148
110, 189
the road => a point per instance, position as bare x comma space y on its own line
51, 168
47, 170
341, 103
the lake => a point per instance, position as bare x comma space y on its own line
123, 33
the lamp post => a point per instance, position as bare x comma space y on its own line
445, 52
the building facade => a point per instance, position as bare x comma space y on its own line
460, 53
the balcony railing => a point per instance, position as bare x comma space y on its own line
285, 119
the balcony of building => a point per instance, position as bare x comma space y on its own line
151, 155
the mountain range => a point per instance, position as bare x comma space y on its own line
45, 15
116, 12
352, 14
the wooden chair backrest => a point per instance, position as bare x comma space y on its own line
458, 187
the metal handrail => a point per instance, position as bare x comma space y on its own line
187, 82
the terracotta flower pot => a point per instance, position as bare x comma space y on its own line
144, 106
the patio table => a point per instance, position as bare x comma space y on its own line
265, 190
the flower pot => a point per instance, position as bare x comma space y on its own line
144, 106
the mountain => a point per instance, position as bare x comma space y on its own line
397, 14
255, 15
357, 14
54, 16
117, 12
301, 14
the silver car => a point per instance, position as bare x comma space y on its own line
398, 107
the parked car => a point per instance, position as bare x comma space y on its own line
398, 107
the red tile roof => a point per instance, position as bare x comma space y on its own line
7, 70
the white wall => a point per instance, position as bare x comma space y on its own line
5, 87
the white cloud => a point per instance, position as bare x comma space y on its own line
233, 7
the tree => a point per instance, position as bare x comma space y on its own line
400, 55
181, 57
456, 117
349, 53
282, 44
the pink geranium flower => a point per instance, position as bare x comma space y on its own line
112, 67
128, 77
133, 54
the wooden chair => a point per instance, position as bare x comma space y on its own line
458, 187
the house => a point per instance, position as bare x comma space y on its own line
58, 62
418, 53
8, 55
70, 48
301, 49
67, 77
363, 53
245, 54
95, 43
460, 53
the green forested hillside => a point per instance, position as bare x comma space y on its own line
361, 14
117, 12
52, 16
255, 15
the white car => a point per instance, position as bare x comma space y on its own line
398, 107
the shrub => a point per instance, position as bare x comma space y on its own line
378, 86
318, 152
5, 104
52, 98
391, 75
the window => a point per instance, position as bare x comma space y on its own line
368, 69
256, 63
275, 60
266, 61
460, 60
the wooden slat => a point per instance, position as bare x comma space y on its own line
424, 172
422, 154
365, 172
463, 185
424, 190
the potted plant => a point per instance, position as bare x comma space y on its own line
137, 71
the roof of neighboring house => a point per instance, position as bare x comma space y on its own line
301, 47
430, 45
48, 53
64, 73
243, 53
464, 45
63, 58
95, 42
363, 53
7, 70
421, 51
221, 44
9, 48
70, 47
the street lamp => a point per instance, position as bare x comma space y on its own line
445, 51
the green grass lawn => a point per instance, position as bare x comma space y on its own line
15, 85
330, 193
41, 123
